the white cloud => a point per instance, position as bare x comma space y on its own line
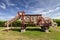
32, 8
47, 11
6, 18
41, 10
57, 17
53, 10
3, 6
17, 8
57, 14
57, 8
9, 3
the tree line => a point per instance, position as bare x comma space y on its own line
18, 23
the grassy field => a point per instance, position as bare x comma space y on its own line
33, 33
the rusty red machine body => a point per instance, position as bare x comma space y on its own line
36, 19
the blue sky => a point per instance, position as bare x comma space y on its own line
48, 8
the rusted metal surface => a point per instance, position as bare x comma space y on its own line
36, 19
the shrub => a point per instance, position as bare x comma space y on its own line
57, 21
18, 23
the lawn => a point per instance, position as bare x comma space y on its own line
32, 33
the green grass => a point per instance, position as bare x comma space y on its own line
32, 33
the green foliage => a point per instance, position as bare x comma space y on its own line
14, 24
57, 21
18, 23
2, 23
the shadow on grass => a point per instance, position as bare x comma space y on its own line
18, 30
28, 29
34, 29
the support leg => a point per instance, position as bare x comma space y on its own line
43, 28
46, 29
23, 28
7, 27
